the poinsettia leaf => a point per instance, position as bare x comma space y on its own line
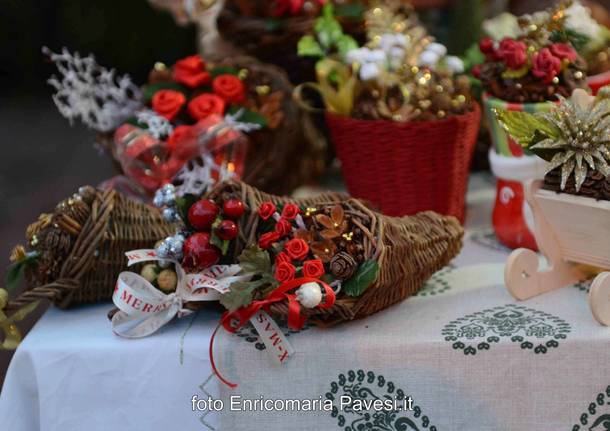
248, 116
309, 47
522, 126
364, 277
224, 70
150, 90
254, 260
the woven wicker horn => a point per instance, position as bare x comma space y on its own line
408, 250
113, 225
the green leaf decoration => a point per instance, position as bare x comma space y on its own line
15, 271
327, 28
184, 203
346, 43
353, 11
239, 295
472, 56
273, 24
248, 116
254, 260
150, 90
309, 47
515, 73
522, 126
362, 279
223, 70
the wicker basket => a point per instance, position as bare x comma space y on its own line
408, 250
251, 35
407, 167
82, 247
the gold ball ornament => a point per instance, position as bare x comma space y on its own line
167, 280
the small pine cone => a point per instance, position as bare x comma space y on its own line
343, 265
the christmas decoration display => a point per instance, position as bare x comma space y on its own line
569, 205
392, 106
270, 30
324, 259
524, 72
75, 254
238, 111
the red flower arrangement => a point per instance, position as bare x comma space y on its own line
529, 69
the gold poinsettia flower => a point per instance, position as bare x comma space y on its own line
582, 141
334, 225
324, 250
306, 235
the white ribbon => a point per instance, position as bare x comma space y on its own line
143, 309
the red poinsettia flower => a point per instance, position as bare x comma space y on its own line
168, 103
191, 72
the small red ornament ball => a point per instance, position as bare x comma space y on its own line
227, 230
233, 208
198, 252
202, 214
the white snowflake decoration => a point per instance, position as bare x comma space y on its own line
156, 125
89, 92
196, 177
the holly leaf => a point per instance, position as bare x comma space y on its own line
151, 89
346, 43
309, 47
364, 277
522, 126
223, 70
248, 116
254, 260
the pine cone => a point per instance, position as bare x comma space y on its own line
343, 265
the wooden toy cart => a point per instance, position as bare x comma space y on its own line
572, 232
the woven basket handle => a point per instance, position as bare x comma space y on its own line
301, 102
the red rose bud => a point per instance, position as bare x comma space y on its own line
282, 257
564, 51
227, 230
266, 210
313, 268
191, 72
476, 71
205, 105
198, 252
267, 239
297, 249
233, 208
283, 227
486, 45
513, 53
168, 103
545, 65
290, 211
202, 214
230, 88
284, 271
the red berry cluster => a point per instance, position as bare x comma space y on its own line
204, 216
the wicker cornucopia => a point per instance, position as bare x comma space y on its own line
80, 248
408, 250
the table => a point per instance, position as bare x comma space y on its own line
469, 356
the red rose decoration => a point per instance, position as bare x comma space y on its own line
287, 7
267, 239
564, 51
284, 271
178, 136
290, 211
545, 65
168, 103
486, 45
230, 88
513, 53
266, 210
476, 71
297, 249
313, 268
282, 257
191, 72
283, 227
205, 105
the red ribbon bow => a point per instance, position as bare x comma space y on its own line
234, 320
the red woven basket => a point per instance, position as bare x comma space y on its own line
405, 168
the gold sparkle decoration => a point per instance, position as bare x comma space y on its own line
582, 144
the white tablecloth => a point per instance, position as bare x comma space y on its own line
469, 355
